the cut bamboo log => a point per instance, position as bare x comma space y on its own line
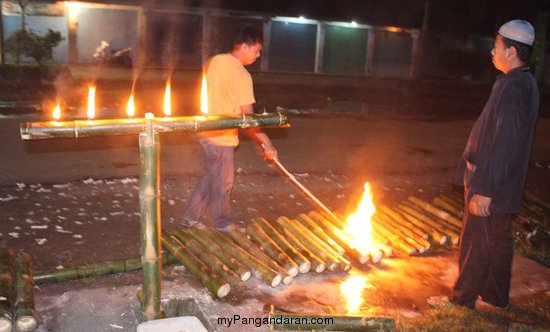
436, 235
196, 267
339, 236
317, 230
402, 221
6, 289
224, 254
24, 313
397, 232
244, 242
303, 263
298, 236
387, 220
271, 248
343, 263
451, 233
437, 212
458, 204
296, 322
396, 241
441, 223
261, 271
209, 259
440, 203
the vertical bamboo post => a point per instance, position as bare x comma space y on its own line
149, 199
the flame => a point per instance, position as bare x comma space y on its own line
352, 290
131, 107
167, 101
359, 226
204, 95
91, 102
57, 112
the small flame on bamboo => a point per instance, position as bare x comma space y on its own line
359, 226
56, 112
91, 102
167, 98
131, 107
204, 95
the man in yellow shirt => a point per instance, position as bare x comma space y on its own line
230, 92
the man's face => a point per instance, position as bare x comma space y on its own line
251, 53
501, 54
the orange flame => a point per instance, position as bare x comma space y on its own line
131, 107
57, 112
167, 101
204, 95
91, 102
352, 289
359, 226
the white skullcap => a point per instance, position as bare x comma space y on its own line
518, 30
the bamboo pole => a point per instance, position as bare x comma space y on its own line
6, 289
196, 267
303, 263
339, 236
298, 322
149, 197
299, 235
449, 208
436, 235
396, 241
387, 220
87, 128
318, 231
224, 254
458, 205
402, 221
209, 259
437, 212
24, 313
387, 225
271, 248
244, 242
261, 270
453, 234
94, 270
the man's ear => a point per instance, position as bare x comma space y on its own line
512, 52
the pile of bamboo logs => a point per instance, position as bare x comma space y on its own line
16, 291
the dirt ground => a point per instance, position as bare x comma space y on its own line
71, 202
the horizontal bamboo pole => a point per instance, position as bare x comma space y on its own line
298, 322
436, 211
94, 269
87, 128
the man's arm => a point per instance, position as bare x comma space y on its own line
258, 136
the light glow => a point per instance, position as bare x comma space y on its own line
358, 225
204, 95
73, 8
167, 99
131, 107
91, 102
57, 112
352, 289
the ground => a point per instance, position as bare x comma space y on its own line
75, 201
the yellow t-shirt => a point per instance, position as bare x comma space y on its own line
229, 86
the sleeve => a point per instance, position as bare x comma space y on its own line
496, 158
244, 90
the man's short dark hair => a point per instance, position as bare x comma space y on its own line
249, 36
523, 50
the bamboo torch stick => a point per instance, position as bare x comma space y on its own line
149, 197
269, 246
303, 263
298, 322
87, 128
224, 254
24, 313
196, 267
438, 202
6, 289
402, 221
382, 223
385, 219
435, 234
245, 242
